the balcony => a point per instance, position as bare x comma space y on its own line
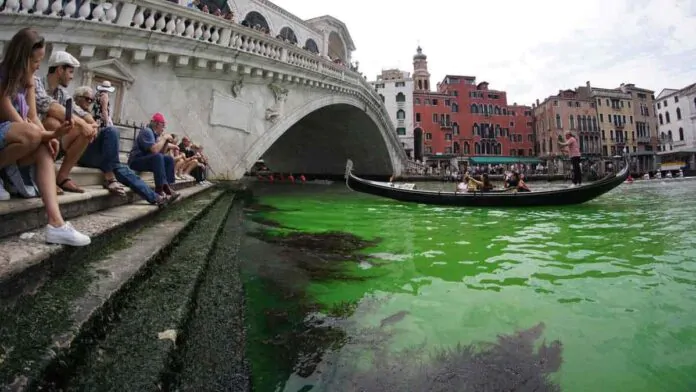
644, 140
445, 125
619, 126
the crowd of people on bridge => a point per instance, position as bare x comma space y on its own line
40, 121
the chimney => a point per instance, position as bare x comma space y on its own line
588, 84
537, 101
514, 104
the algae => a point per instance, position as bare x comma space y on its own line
127, 355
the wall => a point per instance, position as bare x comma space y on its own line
389, 92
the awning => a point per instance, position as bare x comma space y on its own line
495, 160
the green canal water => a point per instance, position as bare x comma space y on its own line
596, 297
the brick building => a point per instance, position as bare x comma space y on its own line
464, 119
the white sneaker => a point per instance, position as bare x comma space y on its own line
4, 194
572, 186
66, 235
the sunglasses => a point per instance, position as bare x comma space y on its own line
88, 99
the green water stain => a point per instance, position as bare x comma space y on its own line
468, 275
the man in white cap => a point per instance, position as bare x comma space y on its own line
51, 97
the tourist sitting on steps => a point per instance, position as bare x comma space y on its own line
61, 67
23, 140
103, 153
50, 100
148, 155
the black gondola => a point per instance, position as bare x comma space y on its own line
557, 197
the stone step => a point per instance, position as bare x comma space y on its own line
19, 215
61, 307
133, 349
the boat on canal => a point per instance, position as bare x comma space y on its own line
495, 198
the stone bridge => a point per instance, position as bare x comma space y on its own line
267, 91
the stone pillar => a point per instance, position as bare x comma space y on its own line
325, 49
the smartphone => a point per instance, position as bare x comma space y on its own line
68, 109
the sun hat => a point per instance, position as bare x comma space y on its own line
60, 57
106, 86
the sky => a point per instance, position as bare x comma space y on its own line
531, 49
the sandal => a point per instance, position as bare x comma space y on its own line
114, 187
59, 191
69, 186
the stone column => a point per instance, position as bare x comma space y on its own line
325, 50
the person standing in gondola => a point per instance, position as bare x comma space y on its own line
574, 152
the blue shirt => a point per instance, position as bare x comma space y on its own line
143, 143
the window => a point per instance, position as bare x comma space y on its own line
401, 131
658, 105
555, 103
667, 117
400, 114
681, 133
448, 136
447, 102
418, 117
455, 108
660, 117
678, 113
676, 99
474, 108
601, 117
400, 97
434, 102
559, 125
428, 136
400, 84
435, 117
417, 101
572, 122
455, 128
427, 101
448, 150
664, 103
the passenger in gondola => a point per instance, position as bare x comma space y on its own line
474, 185
516, 183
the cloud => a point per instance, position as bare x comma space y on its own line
531, 49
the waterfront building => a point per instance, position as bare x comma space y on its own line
466, 120
643, 103
676, 115
566, 111
395, 88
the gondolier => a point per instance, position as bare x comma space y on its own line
574, 152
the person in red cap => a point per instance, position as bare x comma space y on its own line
149, 155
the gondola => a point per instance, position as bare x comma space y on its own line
557, 197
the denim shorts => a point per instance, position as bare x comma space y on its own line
4, 128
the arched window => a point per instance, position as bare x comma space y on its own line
311, 46
669, 135
475, 130
477, 149
400, 97
558, 121
467, 148
400, 114
490, 108
660, 117
420, 85
455, 108
480, 108
678, 113
255, 20
455, 147
474, 108
681, 133
287, 34
594, 124
455, 128
667, 120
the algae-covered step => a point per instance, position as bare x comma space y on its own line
44, 328
135, 349
212, 357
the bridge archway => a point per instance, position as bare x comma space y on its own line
320, 136
254, 18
